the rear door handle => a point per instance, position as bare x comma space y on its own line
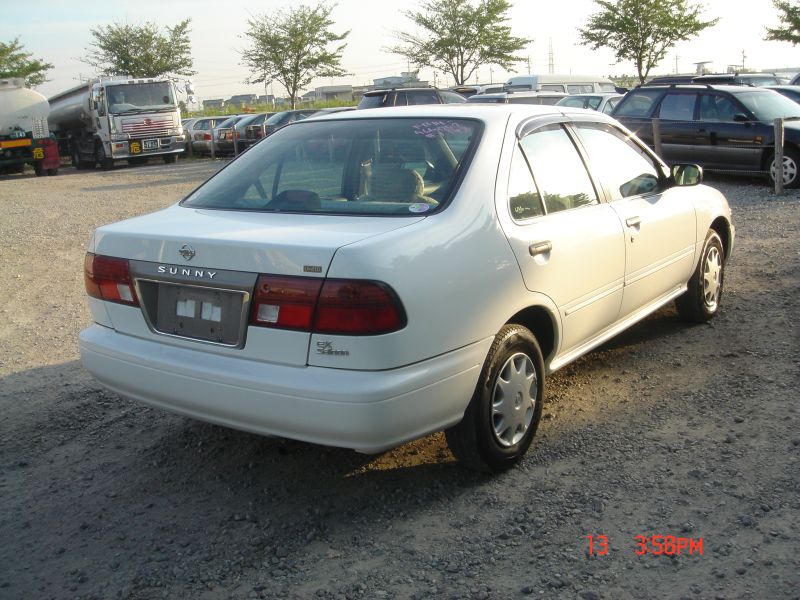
633, 221
540, 248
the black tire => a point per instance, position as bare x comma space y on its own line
100, 156
77, 162
791, 169
700, 302
498, 427
38, 168
170, 158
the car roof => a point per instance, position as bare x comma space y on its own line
489, 112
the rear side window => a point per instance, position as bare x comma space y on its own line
452, 98
678, 107
558, 169
358, 167
637, 103
524, 201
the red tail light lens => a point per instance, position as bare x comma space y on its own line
206, 136
354, 307
285, 302
332, 306
108, 278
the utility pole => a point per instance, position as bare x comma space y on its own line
676, 64
743, 57
529, 63
550, 62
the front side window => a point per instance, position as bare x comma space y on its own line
678, 107
558, 169
140, 97
625, 167
354, 166
717, 108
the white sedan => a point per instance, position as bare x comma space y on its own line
370, 277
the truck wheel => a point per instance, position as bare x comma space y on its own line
100, 155
170, 158
77, 162
504, 412
38, 168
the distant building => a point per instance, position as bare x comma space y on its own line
242, 100
406, 79
329, 93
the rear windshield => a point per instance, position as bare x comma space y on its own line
358, 167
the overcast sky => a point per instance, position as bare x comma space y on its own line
58, 31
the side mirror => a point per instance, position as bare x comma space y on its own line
687, 174
740, 118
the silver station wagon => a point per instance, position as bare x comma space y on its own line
367, 278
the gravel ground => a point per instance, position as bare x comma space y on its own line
690, 431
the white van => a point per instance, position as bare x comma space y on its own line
571, 84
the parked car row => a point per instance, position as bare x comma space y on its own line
720, 127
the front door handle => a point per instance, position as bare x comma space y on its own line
633, 221
540, 248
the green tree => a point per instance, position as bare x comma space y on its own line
15, 62
141, 50
642, 31
789, 29
292, 48
458, 37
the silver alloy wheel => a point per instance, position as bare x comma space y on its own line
514, 399
790, 169
712, 284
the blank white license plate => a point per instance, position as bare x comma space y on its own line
150, 144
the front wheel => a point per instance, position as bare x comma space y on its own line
791, 169
104, 161
700, 302
504, 412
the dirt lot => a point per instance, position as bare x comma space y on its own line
689, 431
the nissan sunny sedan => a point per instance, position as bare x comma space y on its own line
367, 278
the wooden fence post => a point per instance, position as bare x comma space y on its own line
657, 136
778, 123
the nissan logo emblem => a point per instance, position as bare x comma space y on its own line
187, 252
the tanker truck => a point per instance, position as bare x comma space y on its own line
24, 137
101, 121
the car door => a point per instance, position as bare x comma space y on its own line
679, 135
729, 136
658, 221
568, 244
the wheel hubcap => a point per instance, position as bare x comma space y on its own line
514, 399
712, 278
789, 170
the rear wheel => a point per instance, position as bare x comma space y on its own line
504, 413
77, 161
791, 168
38, 168
700, 302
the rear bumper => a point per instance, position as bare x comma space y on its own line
368, 411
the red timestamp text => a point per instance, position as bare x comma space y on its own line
657, 545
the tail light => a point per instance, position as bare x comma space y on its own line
109, 278
332, 306
238, 135
207, 136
